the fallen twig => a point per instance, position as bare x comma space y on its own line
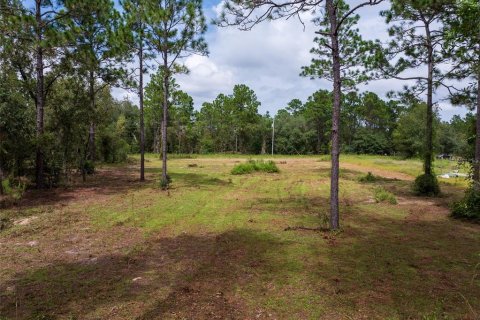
306, 229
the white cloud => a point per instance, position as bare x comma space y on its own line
269, 59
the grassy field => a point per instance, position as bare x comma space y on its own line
223, 246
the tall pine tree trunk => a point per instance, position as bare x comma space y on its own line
165, 124
1, 179
91, 135
319, 137
40, 96
334, 207
476, 165
429, 125
142, 124
156, 138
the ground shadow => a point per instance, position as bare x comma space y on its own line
183, 277
192, 179
104, 182
382, 266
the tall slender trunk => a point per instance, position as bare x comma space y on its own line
476, 164
264, 145
156, 138
236, 142
334, 207
319, 137
142, 124
164, 122
40, 95
429, 125
91, 135
1, 179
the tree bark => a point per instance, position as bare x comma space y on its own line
335, 170
264, 145
429, 125
156, 138
91, 136
476, 163
164, 122
142, 124
40, 95
319, 137
1, 180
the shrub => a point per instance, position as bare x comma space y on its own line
325, 157
426, 185
255, 165
13, 190
4, 224
469, 206
164, 183
89, 167
369, 177
15, 187
370, 143
382, 195
113, 149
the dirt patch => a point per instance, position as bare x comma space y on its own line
24, 221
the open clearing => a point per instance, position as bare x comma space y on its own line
215, 247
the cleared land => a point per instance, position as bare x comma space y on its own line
215, 247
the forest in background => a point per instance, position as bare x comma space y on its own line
229, 124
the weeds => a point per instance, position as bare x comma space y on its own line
369, 177
14, 188
255, 165
382, 195
469, 206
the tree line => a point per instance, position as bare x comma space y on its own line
59, 60
232, 123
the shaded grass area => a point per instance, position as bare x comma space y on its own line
213, 247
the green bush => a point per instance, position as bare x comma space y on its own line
113, 149
370, 143
369, 177
89, 167
426, 185
325, 157
469, 206
164, 183
382, 195
14, 188
255, 165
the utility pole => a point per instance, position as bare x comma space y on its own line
273, 133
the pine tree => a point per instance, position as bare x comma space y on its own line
97, 51
176, 27
34, 30
340, 54
462, 28
417, 41
135, 16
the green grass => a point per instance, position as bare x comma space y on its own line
255, 166
216, 242
412, 167
382, 195
369, 177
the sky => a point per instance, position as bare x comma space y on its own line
269, 58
